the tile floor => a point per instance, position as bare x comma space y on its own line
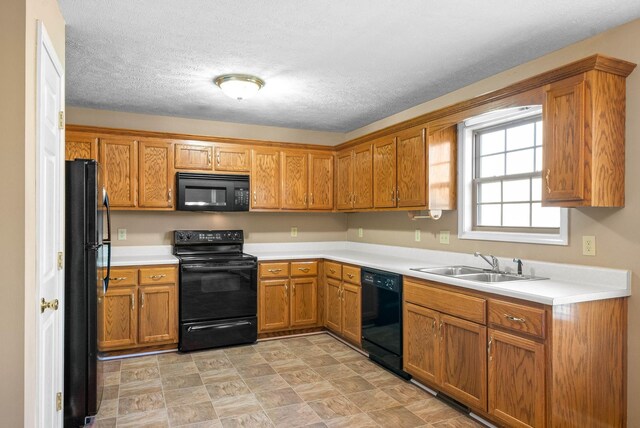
311, 381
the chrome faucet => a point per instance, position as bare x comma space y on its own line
495, 267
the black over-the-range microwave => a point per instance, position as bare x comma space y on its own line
212, 192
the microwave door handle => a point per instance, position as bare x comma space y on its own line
217, 326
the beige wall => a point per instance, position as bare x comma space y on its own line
114, 119
617, 231
17, 184
147, 228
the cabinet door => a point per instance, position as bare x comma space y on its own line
441, 182
344, 181
118, 327
363, 176
80, 146
119, 159
516, 380
295, 180
193, 156
411, 181
156, 174
463, 361
384, 173
273, 302
158, 314
233, 158
265, 178
564, 141
421, 342
333, 307
321, 181
304, 302
351, 313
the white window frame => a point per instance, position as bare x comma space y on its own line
465, 183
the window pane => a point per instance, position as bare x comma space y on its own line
492, 142
491, 166
489, 192
538, 133
515, 215
514, 191
539, 159
520, 137
520, 162
536, 189
489, 215
545, 216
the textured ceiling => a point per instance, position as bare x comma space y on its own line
328, 65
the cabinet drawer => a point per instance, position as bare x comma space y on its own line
333, 270
304, 269
158, 275
119, 277
519, 318
274, 270
448, 302
351, 274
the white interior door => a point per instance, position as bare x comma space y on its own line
49, 233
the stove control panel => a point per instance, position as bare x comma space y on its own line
207, 236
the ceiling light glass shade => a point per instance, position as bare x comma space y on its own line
239, 86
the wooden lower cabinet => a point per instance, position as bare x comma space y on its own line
287, 296
351, 313
421, 344
516, 380
333, 308
135, 315
343, 307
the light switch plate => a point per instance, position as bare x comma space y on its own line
360, 232
122, 234
417, 235
294, 232
588, 245
444, 237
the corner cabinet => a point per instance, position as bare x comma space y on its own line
343, 306
584, 123
80, 146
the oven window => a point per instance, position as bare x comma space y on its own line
206, 196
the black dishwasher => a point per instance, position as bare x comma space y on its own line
382, 318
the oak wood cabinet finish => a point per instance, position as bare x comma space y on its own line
441, 169
333, 307
80, 146
156, 181
351, 312
295, 180
158, 313
304, 301
119, 158
265, 178
120, 319
321, 175
344, 180
421, 344
273, 305
193, 156
333, 270
517, 318
384, 173
411, 174
343, 307
354, 182
232, 158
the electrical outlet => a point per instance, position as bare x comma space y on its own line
294, 232
360, 232
122, 234
417, 235
444, 237
588, 245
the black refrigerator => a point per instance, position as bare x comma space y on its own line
88, 260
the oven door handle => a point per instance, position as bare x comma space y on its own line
204, 269
217, 326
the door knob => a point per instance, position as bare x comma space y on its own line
53, 304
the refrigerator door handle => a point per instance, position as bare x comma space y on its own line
105, 202
106, 278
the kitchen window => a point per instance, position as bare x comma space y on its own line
501, 182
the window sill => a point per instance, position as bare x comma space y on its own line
528, 238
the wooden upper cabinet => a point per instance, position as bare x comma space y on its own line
193, 156
344, 180
321, 181
442, 161
295, 179
265, 179
158, 314
583, 158
411, 176
232, 158
362, 183
156, 174
384, 173
516, 380
119, 159
79, 145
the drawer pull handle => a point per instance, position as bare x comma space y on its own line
514, 319
489, 348
332, 270
209, 157
304, 269
350, 275
158, 276
275, 270
546, 178
218, 158
118, 278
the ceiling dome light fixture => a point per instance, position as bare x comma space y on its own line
239, 86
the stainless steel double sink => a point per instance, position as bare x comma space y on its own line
470, 273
